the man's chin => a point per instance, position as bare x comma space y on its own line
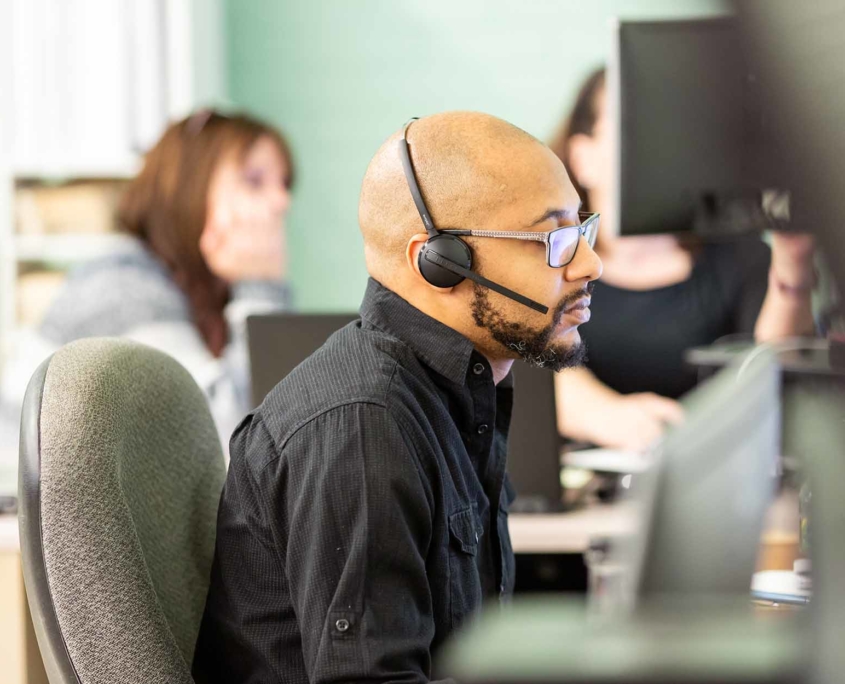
555, 357
570, 337
571, 355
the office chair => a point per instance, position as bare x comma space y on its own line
120, 475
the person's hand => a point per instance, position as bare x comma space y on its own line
244, 241
634, 421
792, 260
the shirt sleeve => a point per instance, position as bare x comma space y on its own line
342, 525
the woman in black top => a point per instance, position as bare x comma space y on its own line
660, 296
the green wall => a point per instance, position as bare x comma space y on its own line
338, 76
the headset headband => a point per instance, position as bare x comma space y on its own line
431, 255
411, 177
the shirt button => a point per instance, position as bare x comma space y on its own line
478, 368
483, 428
342, 625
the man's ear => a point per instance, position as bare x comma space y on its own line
582, 152
412, 257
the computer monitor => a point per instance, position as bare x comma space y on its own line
279, 342
692, 142
705, 500
534, 443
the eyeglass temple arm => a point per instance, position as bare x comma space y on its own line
525, 237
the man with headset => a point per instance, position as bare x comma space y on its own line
365, 513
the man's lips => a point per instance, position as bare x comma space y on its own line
581, 305
580, 310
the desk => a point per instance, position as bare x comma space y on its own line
812, 359
551, 548
19, 656
571, 532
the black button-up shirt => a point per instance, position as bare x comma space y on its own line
365, 512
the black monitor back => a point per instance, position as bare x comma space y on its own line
533, 442
695, 148
279, 342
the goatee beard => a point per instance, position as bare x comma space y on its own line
534, 347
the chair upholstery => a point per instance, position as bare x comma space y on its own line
120, 478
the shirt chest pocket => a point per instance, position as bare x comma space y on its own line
465, 589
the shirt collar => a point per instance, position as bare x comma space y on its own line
440, 347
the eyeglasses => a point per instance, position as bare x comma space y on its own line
561, 243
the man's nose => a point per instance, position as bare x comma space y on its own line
585, 266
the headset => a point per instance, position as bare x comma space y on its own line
446, 260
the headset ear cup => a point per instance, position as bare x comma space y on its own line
448, 247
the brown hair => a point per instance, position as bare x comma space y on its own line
581, 121
165, 205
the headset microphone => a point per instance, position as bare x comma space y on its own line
445, 260
435, 258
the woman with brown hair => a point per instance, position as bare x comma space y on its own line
659, 296
207, 213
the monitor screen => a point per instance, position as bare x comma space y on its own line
704, 502
686, 113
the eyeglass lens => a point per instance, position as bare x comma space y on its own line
562, 245
564, 242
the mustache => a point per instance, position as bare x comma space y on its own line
571, 298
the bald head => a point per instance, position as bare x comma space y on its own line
469, 167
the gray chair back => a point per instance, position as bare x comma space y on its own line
120, 476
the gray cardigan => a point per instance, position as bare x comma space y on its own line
131, 294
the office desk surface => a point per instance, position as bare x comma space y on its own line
570, 532
20, 661
813, 359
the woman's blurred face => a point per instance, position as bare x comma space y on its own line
248, 200
256, 184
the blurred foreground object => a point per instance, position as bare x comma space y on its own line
673, 603
704, 501
801, 49
557, 640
